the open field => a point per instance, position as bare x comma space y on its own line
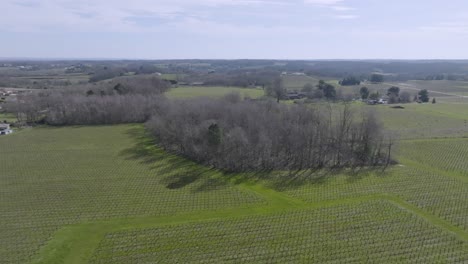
293, 82
203, 91
444, 86
107, 194
425, 120
104, 194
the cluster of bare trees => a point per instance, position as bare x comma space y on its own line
122, 100
237, 135
140, 84
96, 110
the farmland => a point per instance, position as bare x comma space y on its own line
105, 194
290, 237
425, 120
444, 86
234, 131
109, 194
298, 82
87, 174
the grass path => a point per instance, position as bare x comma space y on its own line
434, 220
76, 243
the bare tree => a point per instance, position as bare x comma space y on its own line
277, 89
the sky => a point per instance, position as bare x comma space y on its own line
234, 29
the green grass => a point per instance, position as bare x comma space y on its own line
201, 91
425, 120
8, 117
297, 82
53, 177
106, 194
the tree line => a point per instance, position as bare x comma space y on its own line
122, 100
395, 95
236, 135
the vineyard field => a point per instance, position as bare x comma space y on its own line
417, 121
107, 194
377, 232
449, 155
53, 177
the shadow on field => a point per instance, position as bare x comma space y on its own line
176, 172
289, 180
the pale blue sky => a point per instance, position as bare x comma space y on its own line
233, 29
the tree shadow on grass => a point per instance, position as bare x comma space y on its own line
290, 180
177, 172
174, 172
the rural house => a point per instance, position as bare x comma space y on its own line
5, 129
295, 95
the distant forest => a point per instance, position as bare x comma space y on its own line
241, 73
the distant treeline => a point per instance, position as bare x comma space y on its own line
237, 135
100, 73
122, 100
242, 73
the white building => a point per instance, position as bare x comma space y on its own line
5, 129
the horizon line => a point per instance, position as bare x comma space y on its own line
214, 59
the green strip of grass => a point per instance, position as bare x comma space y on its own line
76, 244
219, 91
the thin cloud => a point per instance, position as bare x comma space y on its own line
324, 2
335, 5
106, 15
342, 8
345, 16
241, 2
